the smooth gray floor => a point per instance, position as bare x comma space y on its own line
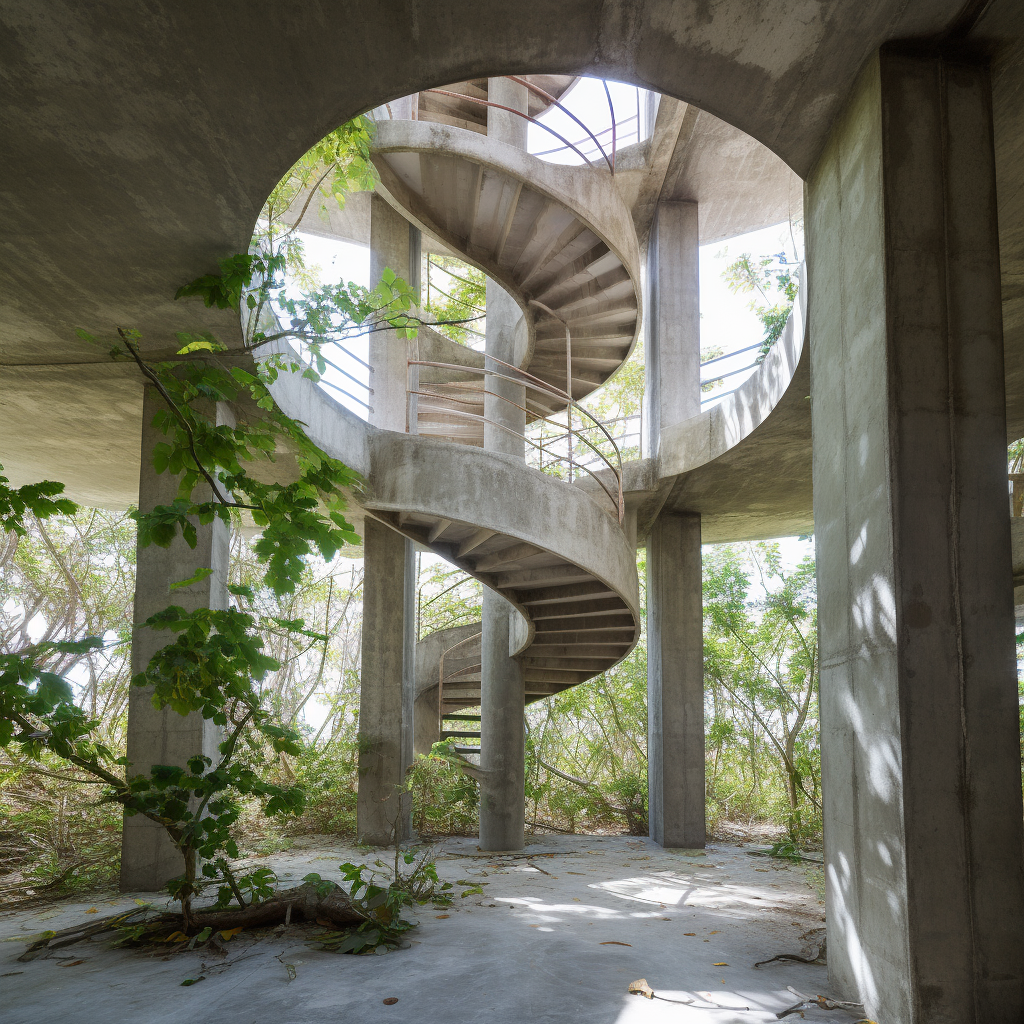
533, 948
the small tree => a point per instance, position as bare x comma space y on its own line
763, 655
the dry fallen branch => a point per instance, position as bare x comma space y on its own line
308, 903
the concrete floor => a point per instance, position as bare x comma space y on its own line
533, 948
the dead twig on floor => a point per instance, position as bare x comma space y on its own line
822, 1002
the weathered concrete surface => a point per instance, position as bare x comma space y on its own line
675, 683
503, 124
148, 857
504, 401
384, 691
498, 492
510, 214
920, 750
738, 184
549, 930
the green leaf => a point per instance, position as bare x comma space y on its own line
198, 343
201, 573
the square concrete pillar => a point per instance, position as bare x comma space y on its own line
502, 732
386, 686
675, 683
672, 391
148, 857
503, 125
394, 245
920, 746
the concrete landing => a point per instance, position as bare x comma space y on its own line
558, 936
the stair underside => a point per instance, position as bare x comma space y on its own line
582, 627
526, 238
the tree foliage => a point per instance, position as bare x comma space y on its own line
456, 298
769, 277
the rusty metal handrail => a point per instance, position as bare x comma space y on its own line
599, 135
518, 113
540, 387
616, 499
611, 108
440, 677
533, 384
537, 90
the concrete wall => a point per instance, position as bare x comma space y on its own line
920, 751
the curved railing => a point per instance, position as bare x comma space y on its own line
448, 392
620, 128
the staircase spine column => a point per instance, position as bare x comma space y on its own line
387, 672
675, 626
502, 686
148, 857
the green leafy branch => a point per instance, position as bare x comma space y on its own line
768, 276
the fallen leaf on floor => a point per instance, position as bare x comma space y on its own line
194, 981
689, 933
92, 910
641, 988
713, 933
390, 1001
73, 963
444, 917
229, 933
613, 942
719, 965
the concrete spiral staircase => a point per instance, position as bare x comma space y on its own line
555, 235
556, 238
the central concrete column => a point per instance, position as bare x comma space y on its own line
502, 124
920, 746
148, 857
675, 624
672, 391
675, 683
503, 691
387, 672
385, 730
